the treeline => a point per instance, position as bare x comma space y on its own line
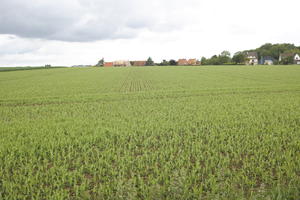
167, 63
9, 69
274, 50
266, 50
221, 59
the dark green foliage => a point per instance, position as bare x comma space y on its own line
164, 63
100, 63
239, 58
203, 60
274, 50
287, 60
149, 62
172, 62
223, 58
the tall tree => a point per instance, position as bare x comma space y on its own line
239, 58
100, 63
287, 60
203, 61
149, 62
224, 57
164, 63
225, 54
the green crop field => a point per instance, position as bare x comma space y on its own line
215, 132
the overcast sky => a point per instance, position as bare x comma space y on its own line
69, 32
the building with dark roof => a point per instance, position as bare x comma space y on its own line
266, 60
252, 58
295, 56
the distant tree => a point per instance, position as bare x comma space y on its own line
214, 60
100, 63
293, 51
221, 59
287, 61
224, 58
225, 54
203, 61
164, 63
239, 58
266, 50
274, 50
172, 62
149, 62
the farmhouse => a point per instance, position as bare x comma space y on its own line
252, 58
108, 64
139, 63
297, 59
267, 60
121, 63
182, 62
192, 62
295, 56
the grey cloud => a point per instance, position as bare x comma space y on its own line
32, 19
82, 20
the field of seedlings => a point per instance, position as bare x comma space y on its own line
215, 132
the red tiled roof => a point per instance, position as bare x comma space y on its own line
108, 64
139, 63
192, 62
182, 62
